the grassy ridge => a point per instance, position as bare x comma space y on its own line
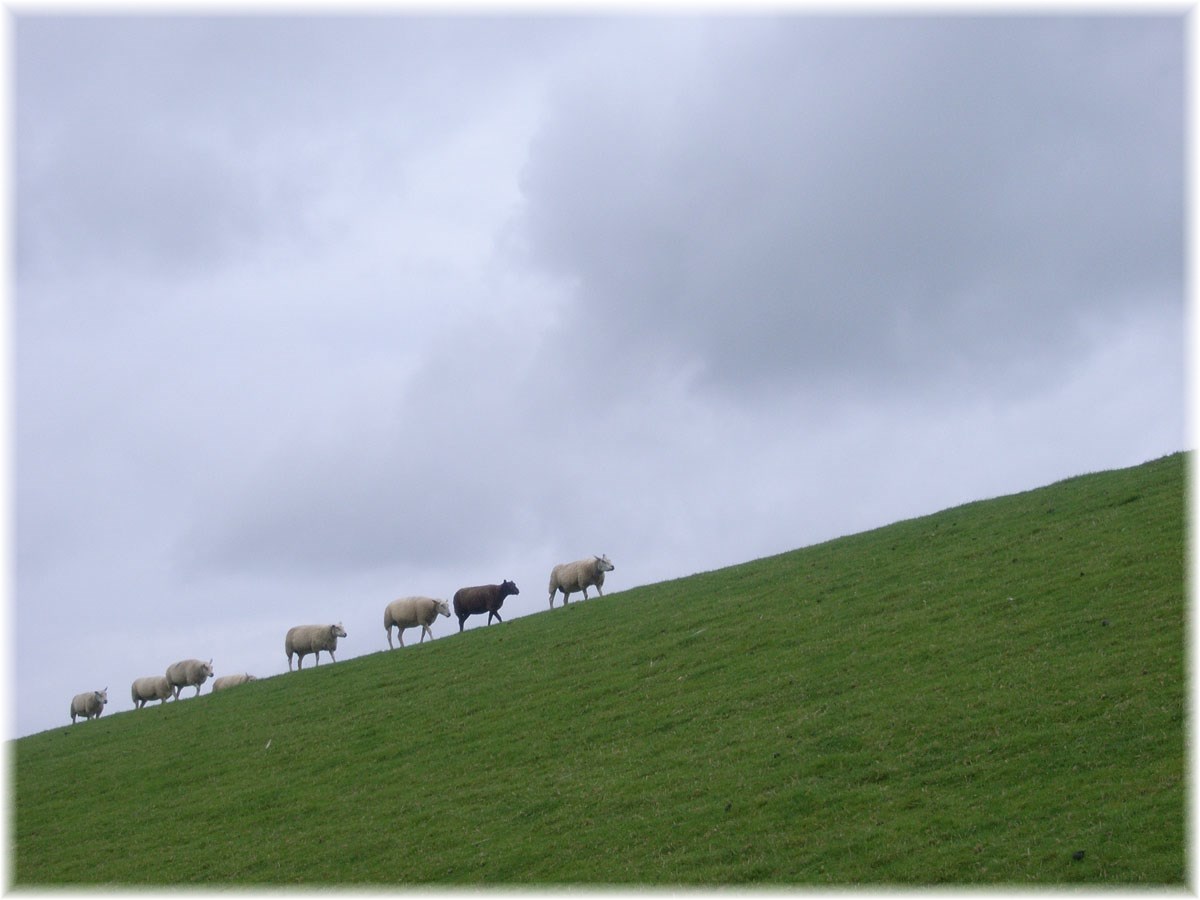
968, 697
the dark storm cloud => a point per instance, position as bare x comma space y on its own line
867, 200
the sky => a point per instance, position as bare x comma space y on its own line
314, 312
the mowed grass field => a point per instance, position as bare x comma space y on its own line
967, 698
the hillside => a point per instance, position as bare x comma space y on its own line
970, 697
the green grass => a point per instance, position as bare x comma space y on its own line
964, 698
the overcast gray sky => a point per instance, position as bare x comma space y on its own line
314, 313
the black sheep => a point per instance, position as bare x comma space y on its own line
487, 598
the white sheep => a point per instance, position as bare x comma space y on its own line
305, 639
228, 681
189, 672
88, 705
579, 576
409, 612
152, 687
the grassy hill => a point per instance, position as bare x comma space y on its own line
969, 697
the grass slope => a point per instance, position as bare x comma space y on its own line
968, 697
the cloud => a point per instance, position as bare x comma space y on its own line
162, 142
863, 202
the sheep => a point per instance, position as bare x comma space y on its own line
487, 598
188, 672
579, 576
88, 705
408, 612
228, 681
305, 639
152, 687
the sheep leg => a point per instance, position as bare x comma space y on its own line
331, 656
424, 631
197, 690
